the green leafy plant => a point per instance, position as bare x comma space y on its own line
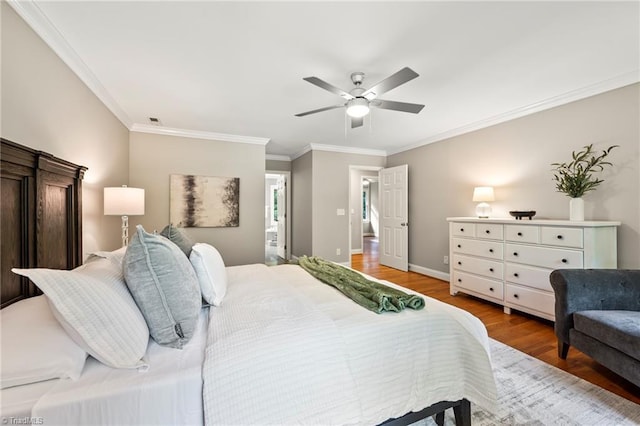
577, 176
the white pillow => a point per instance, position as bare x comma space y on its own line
35, 347
94, 306
211, 272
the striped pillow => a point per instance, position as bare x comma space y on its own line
94, 306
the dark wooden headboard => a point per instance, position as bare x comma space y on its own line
41, 216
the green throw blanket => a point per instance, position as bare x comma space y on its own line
372, 295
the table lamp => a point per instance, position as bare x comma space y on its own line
124, 201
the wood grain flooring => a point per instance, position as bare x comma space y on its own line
524, 332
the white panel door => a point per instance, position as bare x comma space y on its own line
282, 217
394, 217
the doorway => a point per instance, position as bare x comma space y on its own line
370, 215
392, 214
363, 208
277, 227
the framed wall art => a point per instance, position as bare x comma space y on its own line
204, 201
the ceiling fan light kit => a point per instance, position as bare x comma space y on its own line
360, 100
358, 107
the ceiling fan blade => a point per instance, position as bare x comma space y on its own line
398, 106
391, 82
356, 122
326, 86
302, 114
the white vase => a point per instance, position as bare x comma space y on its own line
576, 209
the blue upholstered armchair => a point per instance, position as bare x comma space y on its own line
598, 312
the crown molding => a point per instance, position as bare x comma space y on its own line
38, 21
274, 157
565, 98
348, 150
337, 148
300, 153
197, 134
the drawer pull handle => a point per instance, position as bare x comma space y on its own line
461, 229
516, 296
516, 275
564, 260
515, 253
490, 250
559, 237
459, 263
490, 288
487, 231
459, 246
490, 269
459, 280
519, 234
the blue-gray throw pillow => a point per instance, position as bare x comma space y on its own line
179, 238
165, 287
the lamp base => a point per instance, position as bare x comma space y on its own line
125, 231
483, 210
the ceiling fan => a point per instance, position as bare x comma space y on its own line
360, 100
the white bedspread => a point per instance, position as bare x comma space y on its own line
285, 348
169, 393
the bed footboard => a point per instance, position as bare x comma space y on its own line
461, 410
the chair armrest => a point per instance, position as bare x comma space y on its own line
592, 289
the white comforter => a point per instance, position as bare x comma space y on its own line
285, 348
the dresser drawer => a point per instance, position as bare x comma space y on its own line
459, 229
544, 257
562, 237
488, 249
531, 299
489, 231
474, 283
476, 265
522, 233
528, 275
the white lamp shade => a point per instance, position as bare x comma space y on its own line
483, 194
123, 201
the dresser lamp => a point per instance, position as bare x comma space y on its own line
481, 195
124, 201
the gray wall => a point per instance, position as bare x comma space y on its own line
331, 191
301, 202
46, 107
154, 157
277, 165
515, 158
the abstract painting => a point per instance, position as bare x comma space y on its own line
204, 201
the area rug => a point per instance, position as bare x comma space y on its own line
531, 392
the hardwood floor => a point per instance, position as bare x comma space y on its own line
526, 333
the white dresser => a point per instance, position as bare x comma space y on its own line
508, 261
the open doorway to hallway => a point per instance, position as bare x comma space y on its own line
276, 218
364, 208
370, 217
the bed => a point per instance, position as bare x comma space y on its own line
272, 345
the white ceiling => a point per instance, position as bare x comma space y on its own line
236, 68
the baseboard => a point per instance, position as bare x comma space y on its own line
368, 234
444, 276
356, 251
